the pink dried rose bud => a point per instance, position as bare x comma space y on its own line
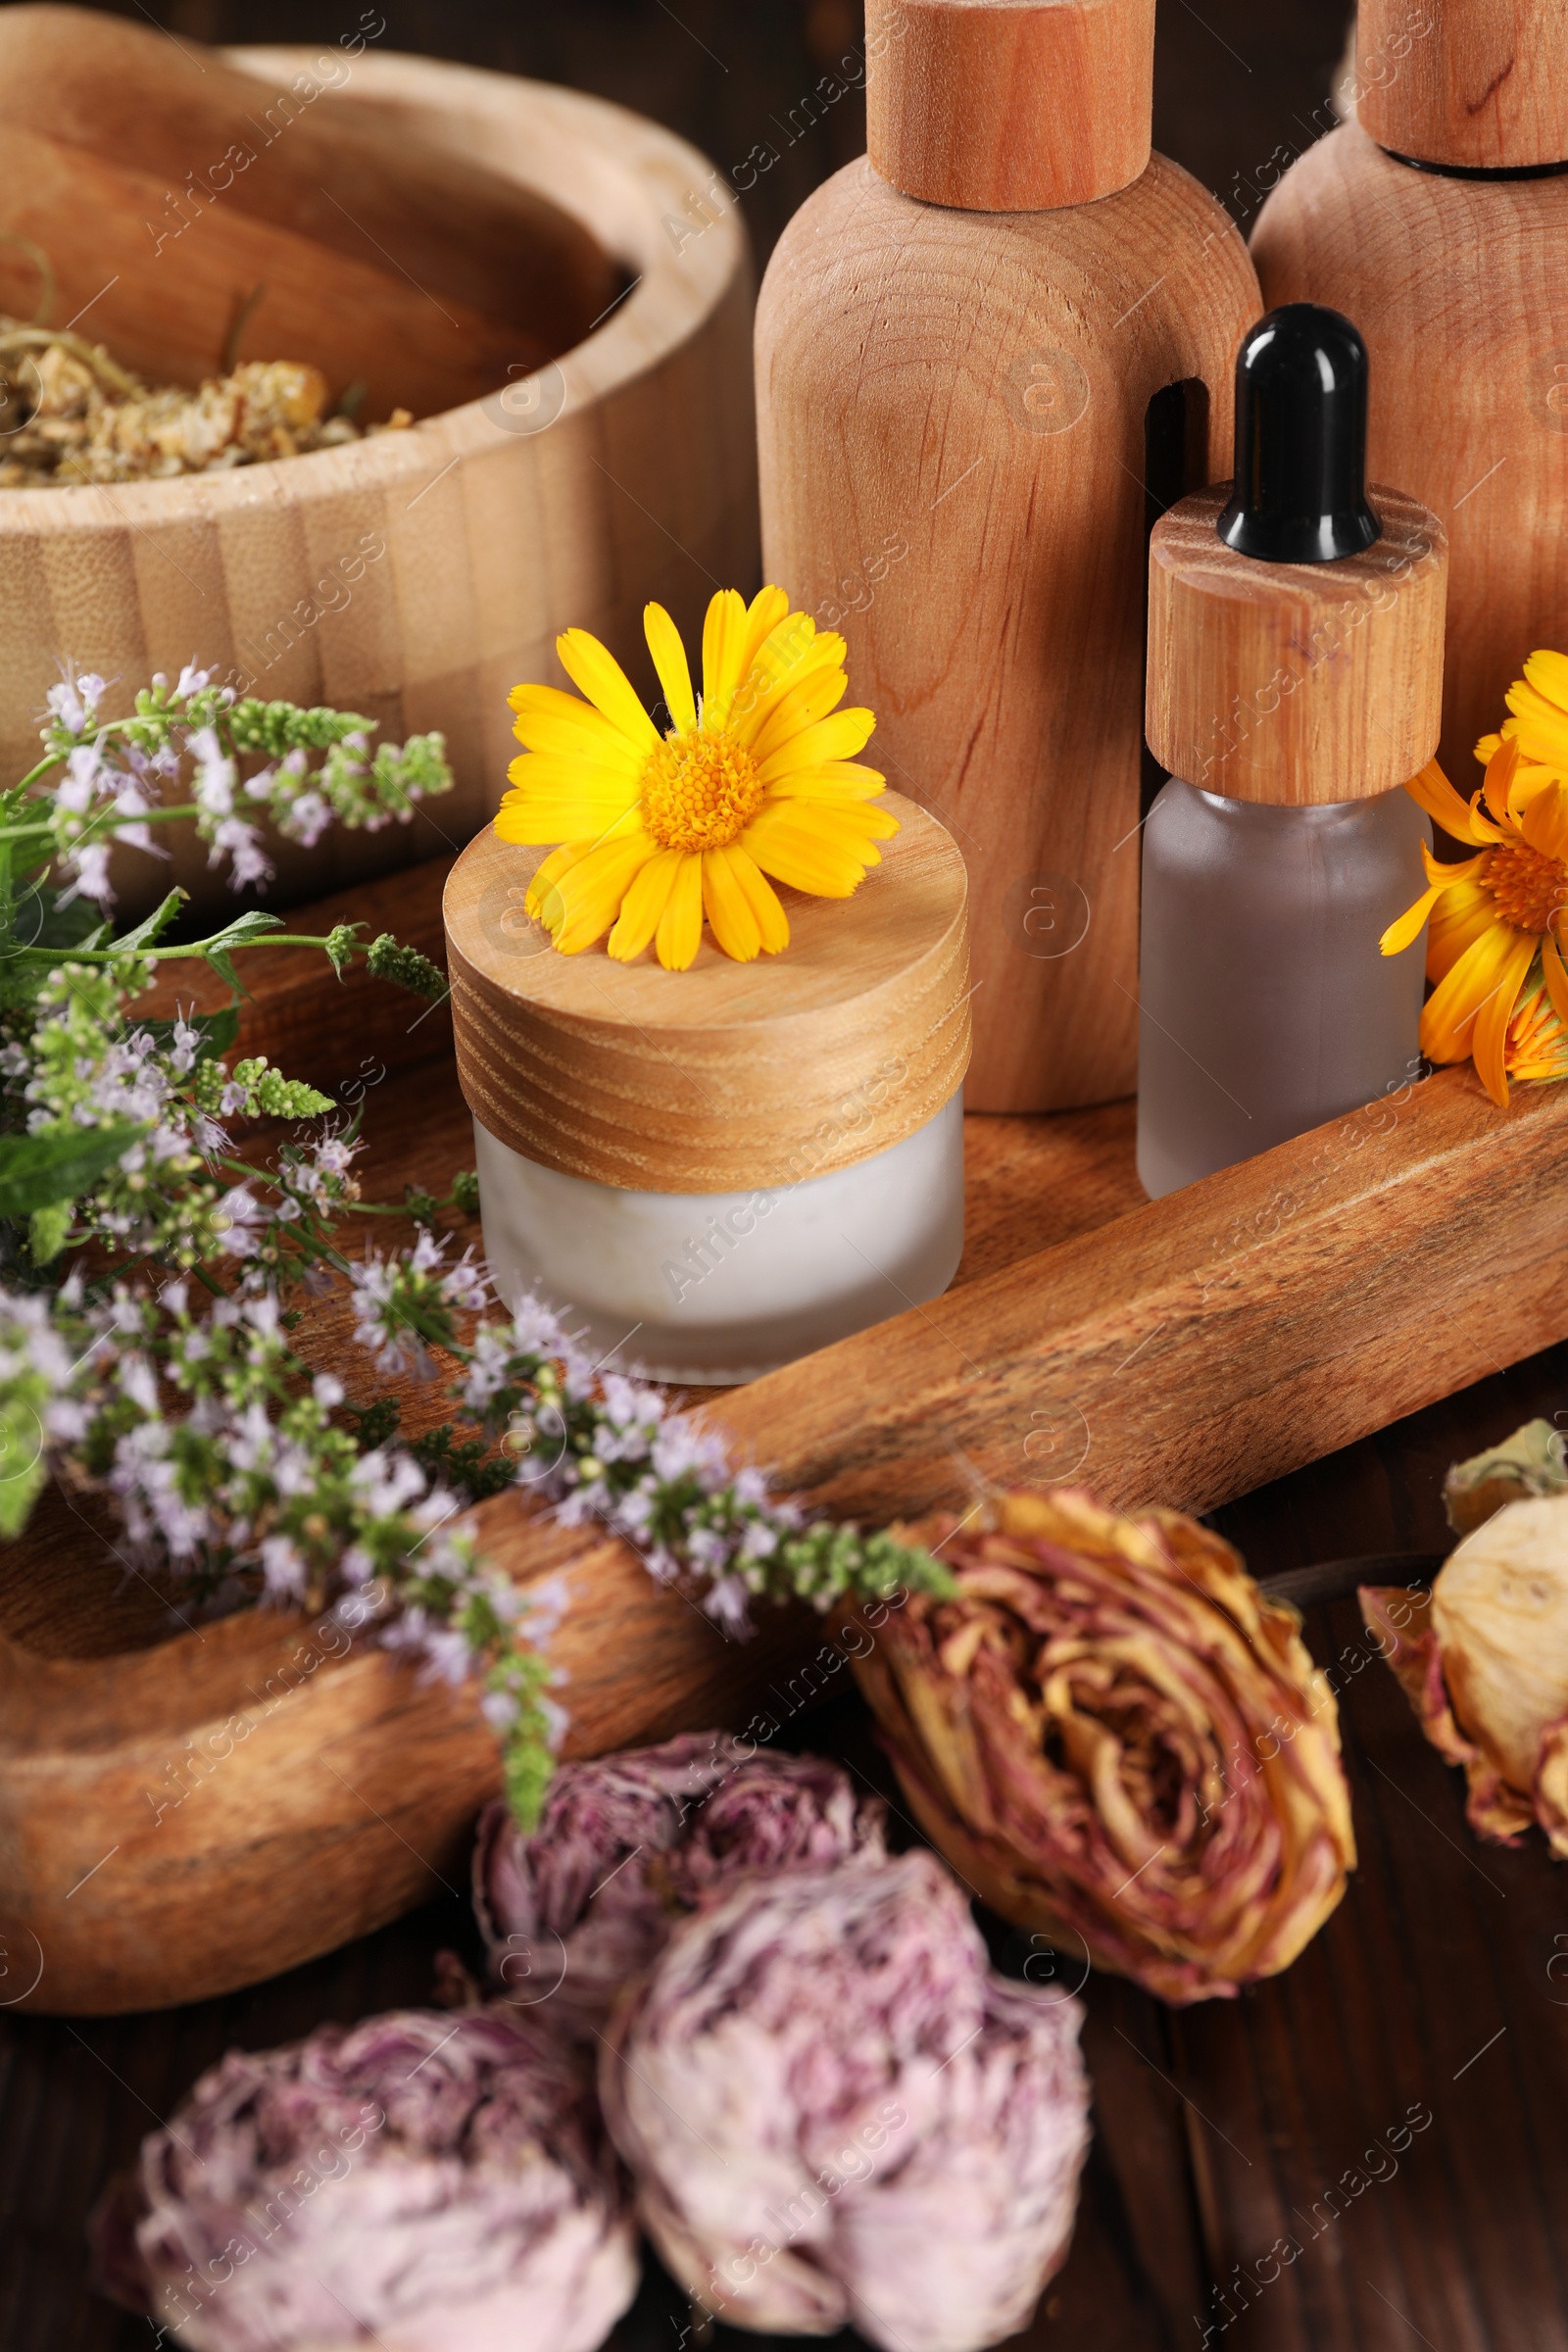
629, 1844
1118, 1741
1483, 1662
838, 2114
417, 2184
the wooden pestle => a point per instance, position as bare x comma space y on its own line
166, 186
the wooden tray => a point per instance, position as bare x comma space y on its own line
1184, 1351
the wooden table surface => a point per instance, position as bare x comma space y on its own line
1440, 1989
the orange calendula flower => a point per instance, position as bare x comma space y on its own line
1494, 949
1537, 1035
756, 778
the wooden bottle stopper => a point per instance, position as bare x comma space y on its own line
727, 1076
1484, 86
1295, 683
1008, 106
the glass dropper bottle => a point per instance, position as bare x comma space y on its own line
1295, 685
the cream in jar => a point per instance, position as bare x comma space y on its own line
721, 1169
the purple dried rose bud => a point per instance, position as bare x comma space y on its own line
837, 2114
626, 1844
418, 2182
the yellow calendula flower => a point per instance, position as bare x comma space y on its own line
1500, 919
757, 779
1537, 1035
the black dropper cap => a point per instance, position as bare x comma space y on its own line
1300, 493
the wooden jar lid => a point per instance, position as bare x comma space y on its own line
1484, 86
1010, 106
730, 1076
1295, 683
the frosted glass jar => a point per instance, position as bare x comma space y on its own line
715, 1288
1265, 1006
722, 1169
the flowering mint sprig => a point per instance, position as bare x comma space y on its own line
122, 1140
237, 1474
605, 1446
103, 781
235, 1484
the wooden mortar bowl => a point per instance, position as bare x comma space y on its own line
418, 576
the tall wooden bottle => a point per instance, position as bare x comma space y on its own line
1439, 222
957, 343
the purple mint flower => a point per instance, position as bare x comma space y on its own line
837, 2115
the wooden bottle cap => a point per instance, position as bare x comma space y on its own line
1010, 106
1485, 86
1295, 683
730, 1076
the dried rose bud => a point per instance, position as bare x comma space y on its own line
1483, 1662
627, 1844
417, 2182
1530, 1462
1118, 1741
838, 2114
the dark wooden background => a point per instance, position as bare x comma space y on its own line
1234, 79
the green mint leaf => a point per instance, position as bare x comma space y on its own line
24, 1468
251, 925
223, 966
38, 920
47, 1229
240, 933
154, 925
36, 1170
